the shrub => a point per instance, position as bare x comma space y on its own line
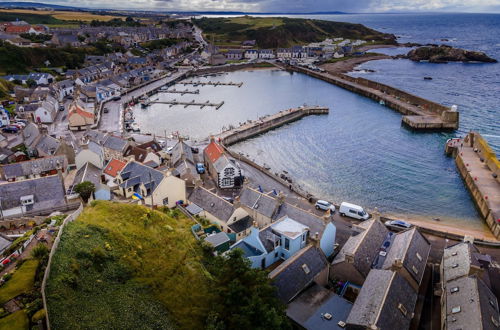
40, 251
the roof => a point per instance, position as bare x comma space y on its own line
262, 203
248, 250
179, 151
412, 249
469, 303
96, 136
308, 309
211, 203
138, 153
88, 172
297, 272
241, 225
48, 145
33, 167
458, 260
217, 239
385, 299
135, 173
5, 242
365, 246
48, 193
115, 143
114, 166
194, 209
289, 228
213, 151
30, 133
155, 146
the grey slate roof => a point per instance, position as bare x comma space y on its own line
458, 260
5, 242
135, 173
365, 246
241, 225
48, 145
307, 309
262, 203
181, 148
291, 277
30, 133
115, 143
33, 167
88, 172
478, 306
248, 250
96, 136
379, 299
211, 203
412, 249
48, 192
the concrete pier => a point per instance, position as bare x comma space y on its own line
187, 104
480, 170
268, 123
211, 83
419, 113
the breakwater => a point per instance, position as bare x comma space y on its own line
480, 170
264, 124
419, 113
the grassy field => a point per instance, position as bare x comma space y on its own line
21, 282
15, 321
52, 17
274, 32
127, 267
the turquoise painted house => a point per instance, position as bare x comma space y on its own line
284, 238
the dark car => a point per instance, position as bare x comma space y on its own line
10, 129
116, 98
200, 168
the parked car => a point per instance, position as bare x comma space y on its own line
353, 211
20, 123
398, 224
325, 206
10, 129
116, 98
200, 168
61, 107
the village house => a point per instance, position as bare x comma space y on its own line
182, 160
141, 155
65, 88
37, 77
114, 146
34, 168
284, 53
233, 221
150, 186
32, 196
47, 111
385, 299
467, 301
251, 54
91, 173
63, 39
224, 170
111, 170
78, 118
4, 117
309, 266
90, 153
234, 54
266, 54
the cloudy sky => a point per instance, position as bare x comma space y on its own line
291, 5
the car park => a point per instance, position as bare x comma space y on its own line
325, 206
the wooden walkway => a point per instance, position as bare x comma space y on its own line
192, 103
175, 91
211, 83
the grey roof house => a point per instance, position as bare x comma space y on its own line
33, 168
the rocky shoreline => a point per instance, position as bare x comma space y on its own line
445, 54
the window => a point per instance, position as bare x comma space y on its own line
455, 289
304, 236
229, 171
129, 189
226, 182
402, 309
287, 244
353, 211
306, 269
419, 257
456, 310
276, 254
165, 201
415, 270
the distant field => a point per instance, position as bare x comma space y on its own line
51, 17
257, 22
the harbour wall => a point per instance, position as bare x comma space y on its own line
268, 123
480, 170
420, 114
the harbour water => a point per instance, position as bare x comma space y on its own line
359, 152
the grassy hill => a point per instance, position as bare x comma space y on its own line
127, 267
274, 32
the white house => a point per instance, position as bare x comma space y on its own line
251, 54
266, 54
47, 111
66, 88
4, 117
284, 53
224, 170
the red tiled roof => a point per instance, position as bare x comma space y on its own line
17, 29
81, 112
214, 151
114, 166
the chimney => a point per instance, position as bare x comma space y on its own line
316, 240
281, 198
212, 138
236, 202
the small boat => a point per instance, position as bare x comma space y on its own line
381, 102
427, 78
144, 104
135, 127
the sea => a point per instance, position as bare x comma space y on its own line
360, 152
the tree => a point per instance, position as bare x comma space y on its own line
246, 299
85, 189
31, 83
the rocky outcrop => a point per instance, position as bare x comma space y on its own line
445, 54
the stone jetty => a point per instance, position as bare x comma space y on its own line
480, 169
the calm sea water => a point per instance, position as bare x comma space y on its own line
360, 152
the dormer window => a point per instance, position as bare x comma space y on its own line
415, 270
454, 289
419, 257
27, 200
306, 269
402, 309
456, 310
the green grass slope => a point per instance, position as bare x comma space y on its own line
22, 281
272, 32
127, 267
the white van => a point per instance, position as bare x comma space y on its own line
353, 211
